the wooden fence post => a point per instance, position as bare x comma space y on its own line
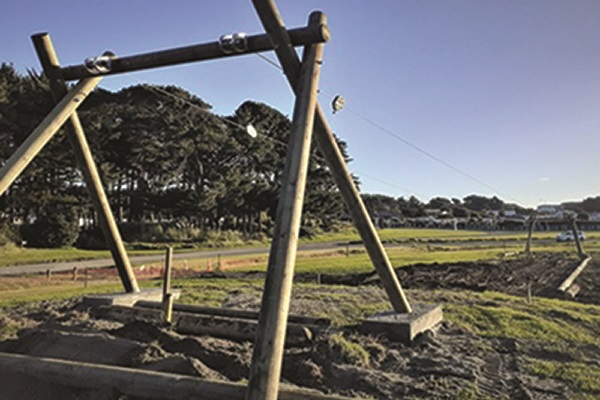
530, 225
167, 299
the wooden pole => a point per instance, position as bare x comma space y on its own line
321, 323
83, 155
167, 299
135, 383
530, 225
200, 324
268, 347
36, 141
575, 230
167, 274
567, 283
199, 52
325, 139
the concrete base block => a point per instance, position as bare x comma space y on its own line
401, 326
126, 299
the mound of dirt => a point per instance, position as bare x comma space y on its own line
543, 273
439, 364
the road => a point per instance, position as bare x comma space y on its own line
153, 258
190, 255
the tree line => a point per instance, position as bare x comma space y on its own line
175, 171
172, 169
472, 205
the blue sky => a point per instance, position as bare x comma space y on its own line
506, 92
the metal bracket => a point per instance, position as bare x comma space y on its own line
235, 43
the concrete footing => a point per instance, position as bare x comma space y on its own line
404, 327
126, 299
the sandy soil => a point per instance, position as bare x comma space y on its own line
447, 363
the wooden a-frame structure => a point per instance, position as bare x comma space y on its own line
308, 116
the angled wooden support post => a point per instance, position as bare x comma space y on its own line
325, 139
36, 141
268, 347
49, 61
575, 229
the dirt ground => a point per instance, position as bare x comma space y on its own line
544, 274
448, 363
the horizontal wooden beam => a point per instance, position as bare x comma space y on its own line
322, 323
200, 52
195, 324
136, 383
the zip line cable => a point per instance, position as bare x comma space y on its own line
429, 154
409, 143
157, 89
383, 181
269, 61
248, 128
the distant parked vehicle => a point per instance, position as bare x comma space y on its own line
567, 236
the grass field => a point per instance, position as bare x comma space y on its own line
451, 240
568, 332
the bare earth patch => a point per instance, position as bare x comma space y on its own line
471, 355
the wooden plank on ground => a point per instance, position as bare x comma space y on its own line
321, 323
138, 383
188, 323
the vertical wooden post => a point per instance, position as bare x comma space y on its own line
530, 225
268, 347
49, 61
42, 134
273, 24
167, 298
167, 273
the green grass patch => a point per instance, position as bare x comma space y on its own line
343, 305
470, 391
359, 261
579, 376
54, 292
61, 290
400, 235
350, 352
8, 327
12, 255
213, 292
548, 320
